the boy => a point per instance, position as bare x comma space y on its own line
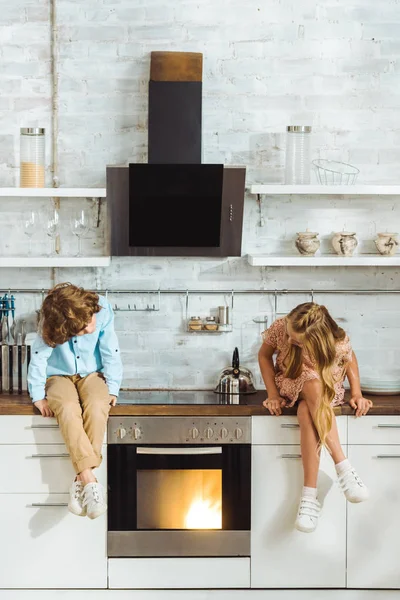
75, 374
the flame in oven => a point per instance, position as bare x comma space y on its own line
204, 514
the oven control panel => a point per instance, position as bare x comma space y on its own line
179, 430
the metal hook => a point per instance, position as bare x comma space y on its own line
275, 303
232, 295
106, 294
312, 295
42, 295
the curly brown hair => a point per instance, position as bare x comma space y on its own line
66, 310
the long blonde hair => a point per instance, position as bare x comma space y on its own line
320, 336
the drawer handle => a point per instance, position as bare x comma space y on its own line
290, 426
50, 455
388, 426
47, 505
291, 456
388, 456
44, 427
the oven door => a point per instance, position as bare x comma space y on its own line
179, 500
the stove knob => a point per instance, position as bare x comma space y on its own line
136, 433
223, 433
121, 433
208, 433
238, 433
194, 433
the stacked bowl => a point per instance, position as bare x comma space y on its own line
381, 385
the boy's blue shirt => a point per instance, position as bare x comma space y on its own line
81, 355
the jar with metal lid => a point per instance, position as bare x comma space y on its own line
195, 324
32, 157
210, 324
298, 154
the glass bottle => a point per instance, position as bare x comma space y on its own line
298, 154
32, 157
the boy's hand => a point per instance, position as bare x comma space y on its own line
44, 408
361, 405
113, 400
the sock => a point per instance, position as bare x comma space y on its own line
309, 492
343, 466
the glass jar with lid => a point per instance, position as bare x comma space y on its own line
32, 157
210, 324
298, 154
195, 324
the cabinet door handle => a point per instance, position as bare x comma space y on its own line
47, 505
50, 455
290, 426
388, 456
291, 456
388, 426
44, 427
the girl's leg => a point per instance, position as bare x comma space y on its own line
351, 484
309, 507
309, 445
312, 392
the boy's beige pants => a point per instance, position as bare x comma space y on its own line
81, 406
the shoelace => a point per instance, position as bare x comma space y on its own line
309, 507
349, 478
78, 490
92, 495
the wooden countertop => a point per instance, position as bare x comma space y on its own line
14, 404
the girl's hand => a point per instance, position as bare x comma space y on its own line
361, 405
274, 404
113, 400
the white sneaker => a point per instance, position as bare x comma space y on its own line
93, 500
75, 504
308, 513
352, 486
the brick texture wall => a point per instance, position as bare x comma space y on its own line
331, 63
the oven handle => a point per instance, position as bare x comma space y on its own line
191, 451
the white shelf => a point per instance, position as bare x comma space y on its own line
326, 190
53, 192
54, 261
358, 260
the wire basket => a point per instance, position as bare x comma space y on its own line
331, 172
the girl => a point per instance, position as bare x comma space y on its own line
313, 357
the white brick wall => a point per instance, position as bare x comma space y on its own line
333, 64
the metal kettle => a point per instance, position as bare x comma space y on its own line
235, 379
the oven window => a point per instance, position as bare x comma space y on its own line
179, 499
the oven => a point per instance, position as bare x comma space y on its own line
179, 486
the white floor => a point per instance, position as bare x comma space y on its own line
199, 595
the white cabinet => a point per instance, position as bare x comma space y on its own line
281, 556
48, 547
373, 542
179, 573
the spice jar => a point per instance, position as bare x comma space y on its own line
195, 324
211, 324
32, 157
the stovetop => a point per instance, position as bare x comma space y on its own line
178, 397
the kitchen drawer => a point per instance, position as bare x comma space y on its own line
374, 430
285, 430
39, 469
48, 547
178, 573
15, 429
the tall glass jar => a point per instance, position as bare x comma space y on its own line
298, 154
32, 157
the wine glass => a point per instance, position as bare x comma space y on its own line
30, 224
79, 227
52, 229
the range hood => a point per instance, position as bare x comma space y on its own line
174, 205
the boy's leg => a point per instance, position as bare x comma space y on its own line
95, 399
63, 399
